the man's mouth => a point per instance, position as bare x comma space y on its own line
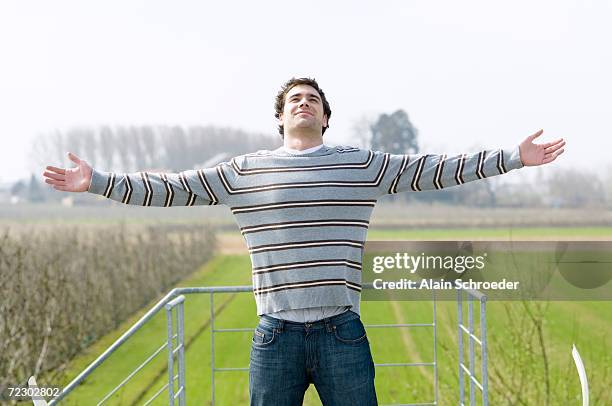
304, 112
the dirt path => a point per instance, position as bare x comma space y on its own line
231, 243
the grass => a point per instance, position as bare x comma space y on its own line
226, 270
516, 234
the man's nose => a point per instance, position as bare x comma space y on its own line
304, 102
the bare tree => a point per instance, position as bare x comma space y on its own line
361, 130
107, 146
125, 154
90, 144
148, 140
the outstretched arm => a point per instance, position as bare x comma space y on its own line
430, 172
188, 188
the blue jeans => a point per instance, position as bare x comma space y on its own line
333, 354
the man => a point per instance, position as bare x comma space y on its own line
303, 210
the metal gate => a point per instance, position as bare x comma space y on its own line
173, 302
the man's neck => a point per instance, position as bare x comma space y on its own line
302, 142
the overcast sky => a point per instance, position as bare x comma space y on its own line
468, 73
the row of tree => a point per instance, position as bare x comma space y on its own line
59, 295
132, 148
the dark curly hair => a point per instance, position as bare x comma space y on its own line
279, 103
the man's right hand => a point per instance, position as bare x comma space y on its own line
71, 179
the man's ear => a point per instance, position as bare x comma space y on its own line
324, 120
279, 120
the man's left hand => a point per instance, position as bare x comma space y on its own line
540, 154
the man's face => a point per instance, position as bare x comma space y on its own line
303, 109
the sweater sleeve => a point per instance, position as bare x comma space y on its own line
430, 172
187, 188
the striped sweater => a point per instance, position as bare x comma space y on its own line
304, 217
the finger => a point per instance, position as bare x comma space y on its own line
55, 182
54, 176
552, 149
552, 157
535, 135
61, 171
74, 158
552, 143
62, 188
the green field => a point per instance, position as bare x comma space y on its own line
515, 234
515, 360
